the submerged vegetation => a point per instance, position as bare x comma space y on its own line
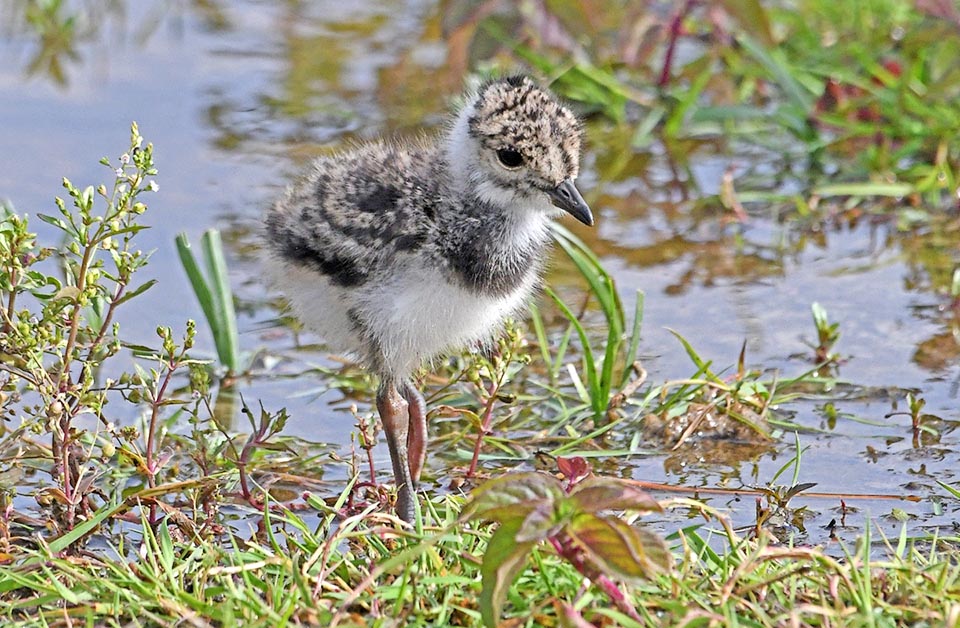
129, 497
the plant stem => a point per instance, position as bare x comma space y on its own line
484, 426
88, 252
154, 417
11, 301
121, 286
570, 552
676, 26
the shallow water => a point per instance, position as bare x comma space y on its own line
238, 96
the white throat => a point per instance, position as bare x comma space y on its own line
461, 149
467, 173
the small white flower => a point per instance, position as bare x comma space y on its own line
125, 159
119, 172
153, 186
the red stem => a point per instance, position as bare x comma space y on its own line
676, 25
484, 427
565, 548
154, 416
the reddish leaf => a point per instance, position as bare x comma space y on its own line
504, 559
541, 523
573, 468
513, 496
618, 548
599, 493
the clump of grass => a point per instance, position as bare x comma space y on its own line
362, 570
606, 367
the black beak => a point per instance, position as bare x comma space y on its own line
567, 197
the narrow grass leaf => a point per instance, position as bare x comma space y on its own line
634, 343
63, 542
773, 62
866, 188
229, 343
950, 489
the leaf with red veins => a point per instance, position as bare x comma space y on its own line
599, 493
514, 495
619, 549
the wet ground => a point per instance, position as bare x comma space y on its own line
238, 96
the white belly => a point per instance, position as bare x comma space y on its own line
419, 316
415, 315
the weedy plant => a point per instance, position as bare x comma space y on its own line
64, 358
533, 508
59, 331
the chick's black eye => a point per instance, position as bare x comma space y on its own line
509, 158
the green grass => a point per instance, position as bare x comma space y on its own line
366, 571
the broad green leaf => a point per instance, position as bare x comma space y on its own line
513, 496
504, 559
618, 548
600, 493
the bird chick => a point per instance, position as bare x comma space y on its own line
400, 252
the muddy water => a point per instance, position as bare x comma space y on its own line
238, 96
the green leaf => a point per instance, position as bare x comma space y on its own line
226, 335
214, 294
702, 366
953, 491
752, 18
601, 493
56, 222
618, 548
136, 291
513, 496
775, 62
504, 559
61, 543
866, 188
